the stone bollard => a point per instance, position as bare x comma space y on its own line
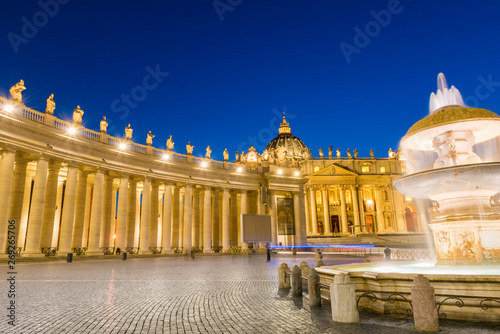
314, 288
320, 263
343, 298
284, 276
305, 270
423, 299
296, 281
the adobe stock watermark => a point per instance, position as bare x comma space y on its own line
266, 134
372, 29
483, 90
30, 28
139, 93
223, 6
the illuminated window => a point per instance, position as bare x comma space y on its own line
382, 169
408, 199
348, 197
318, 198
333, 197
316, 169
403, 168
365, 169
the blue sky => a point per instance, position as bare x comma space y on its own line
220, 73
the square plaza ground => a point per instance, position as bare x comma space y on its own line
212, 294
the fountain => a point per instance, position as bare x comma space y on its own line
453, 158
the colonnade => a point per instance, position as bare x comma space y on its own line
64, 205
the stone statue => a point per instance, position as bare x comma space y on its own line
209, 151
149, 139
355, 153
349, 153
77, 115
170, 143
189, 148
391, 153
265, 155
330, 152
321, 153
15, 91
51, 105
226, 154
371, 153
310, 153
237, 156
338, 153
243, 157
104, 124
128, 132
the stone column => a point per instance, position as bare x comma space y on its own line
167, 219
300, 218
226, 218
196, 218
106, 212
175, 217
86, 221
131, 212
216, 225
233, 209
145, 217
297, 219
380, 210
49, 208
343, 210
355, 206
326, 211
36, 210
314, 216
121, 215
96, 214
25, 211
188, 217
80, 201
182, 204
306, 208
361, 199
112, 225
6, 168
272, 207
153, 220
17, 194
68, 210
243, 210
207, 221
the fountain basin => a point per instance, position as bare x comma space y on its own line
475, 288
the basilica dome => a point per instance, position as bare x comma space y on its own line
286, 149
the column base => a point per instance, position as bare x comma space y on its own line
93, 253
145, 252
170, 251
208, 251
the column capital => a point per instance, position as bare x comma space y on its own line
243, 191
207, 188
8, 148
70, 163
54, 164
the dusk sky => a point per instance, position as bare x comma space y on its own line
350, 74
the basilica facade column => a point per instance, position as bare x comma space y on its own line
306, 208
6, 168
167, 219
207, 220
299, 214
343, 210
326, 211
226, 218
68, 210
80, 203
314, 216
380, 210
121, 215
362, 219
188, 218
243, 210
96, 214
355, 205
145, 217
272, 208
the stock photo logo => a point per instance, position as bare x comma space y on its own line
363, 37
30, 28
221, 7
139, 93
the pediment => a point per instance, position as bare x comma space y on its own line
333, 170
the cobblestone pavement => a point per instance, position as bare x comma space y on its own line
213, 294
